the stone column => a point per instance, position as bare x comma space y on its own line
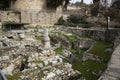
46, 40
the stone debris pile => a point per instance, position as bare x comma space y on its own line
31, 59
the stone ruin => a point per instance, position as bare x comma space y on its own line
30, 11
32, 57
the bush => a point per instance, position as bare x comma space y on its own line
61, 21
76, 19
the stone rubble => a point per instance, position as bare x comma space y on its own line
28, 58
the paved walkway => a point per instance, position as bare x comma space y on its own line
113, 70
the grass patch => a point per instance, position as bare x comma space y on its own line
58, 50
72, 37
36, 61
90, 69
87, 67
15, 76
99, 49
37, 37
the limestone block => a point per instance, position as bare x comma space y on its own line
45, 62
54, 63
5, 58
40, 65
58, 72
0, 58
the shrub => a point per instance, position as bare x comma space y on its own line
76, 19
61, 21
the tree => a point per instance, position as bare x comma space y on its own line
114, 11
53, 4
4, 4
82, 1
65, 5
95, 7
116, 4
96, 1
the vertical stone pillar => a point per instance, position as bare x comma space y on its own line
46, 40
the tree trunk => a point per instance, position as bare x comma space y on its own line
82, 1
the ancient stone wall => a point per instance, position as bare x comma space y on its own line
96, 33
26, 5
35, 18
40, 18
8, 16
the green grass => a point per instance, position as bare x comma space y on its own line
15, 76
72, 37
99, 49
92, 66
58, 50
37, 37
36, 61
89, 66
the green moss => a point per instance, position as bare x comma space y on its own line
58, 50
15, 76
37, 37
87, 68
36, 61
5, 22
83, 69
91, 66
72, 37
99, 49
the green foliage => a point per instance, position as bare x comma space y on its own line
96, 1
37, 37
4, 4
116, 5
95, 9
114, 12
72, 37
54, 4
5, 22
76, 19
61, 20
36, 61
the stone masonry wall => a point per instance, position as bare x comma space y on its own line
23, 5
40, 18
8, 16
32, 17
98, 34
